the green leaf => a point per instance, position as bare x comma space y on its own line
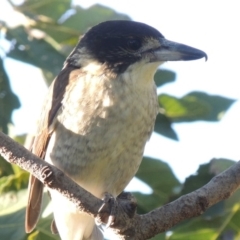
164, 76
183, 109
205, 227
53, 9
195, 106
218, 165
12, 202
148, 202
12, 215
163, 127
20, 138
5, 168
231, 222
14, 182
195, 181
37, 52
12, 226
218, 104
199, 227
205, 173
8, 100
200, 234
161, 236
159, 176
85, 18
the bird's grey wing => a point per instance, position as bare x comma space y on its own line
45, 128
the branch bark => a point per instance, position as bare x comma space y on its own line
125, 226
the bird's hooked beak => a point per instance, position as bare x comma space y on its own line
172, 51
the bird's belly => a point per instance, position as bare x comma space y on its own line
101, 162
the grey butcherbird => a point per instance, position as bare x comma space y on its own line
98, 115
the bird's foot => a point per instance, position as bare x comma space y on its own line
125, 202
111, 203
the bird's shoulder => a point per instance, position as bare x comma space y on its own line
51, 106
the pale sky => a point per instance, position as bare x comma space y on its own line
212, 26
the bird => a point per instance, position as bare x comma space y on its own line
98, 115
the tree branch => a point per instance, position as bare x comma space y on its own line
125, 226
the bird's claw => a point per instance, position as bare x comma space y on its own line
110, 202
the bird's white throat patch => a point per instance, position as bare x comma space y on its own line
141, 73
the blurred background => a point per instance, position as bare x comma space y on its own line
196, 133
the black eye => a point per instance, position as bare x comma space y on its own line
134, 44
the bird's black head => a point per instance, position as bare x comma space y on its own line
118, 44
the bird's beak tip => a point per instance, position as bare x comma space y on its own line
206, 57
172, 51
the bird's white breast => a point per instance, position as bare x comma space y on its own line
103, 128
